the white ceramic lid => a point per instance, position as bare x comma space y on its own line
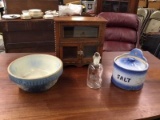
133, 61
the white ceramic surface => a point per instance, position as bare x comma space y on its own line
35, 70
36, 15
26, 12
48, 16
11, 16
25, 16
130, 70
35, 10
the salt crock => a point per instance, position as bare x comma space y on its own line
130, 70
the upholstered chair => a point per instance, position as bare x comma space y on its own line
122, 31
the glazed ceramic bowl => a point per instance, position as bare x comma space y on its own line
48, 16
35, 72
35, 11
25, 16
36, 15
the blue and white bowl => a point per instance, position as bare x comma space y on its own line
130, 70
35, 72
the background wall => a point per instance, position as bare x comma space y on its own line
151, 4
16, 6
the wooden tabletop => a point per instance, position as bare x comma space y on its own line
71, 99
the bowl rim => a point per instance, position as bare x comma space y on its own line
35, 10
59, 69
39, 13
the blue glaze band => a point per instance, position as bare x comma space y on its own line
37, 85
126, 87
137, 53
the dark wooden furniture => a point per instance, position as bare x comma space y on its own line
126, 6
1, 11
35, 35
78, 38
16, 6
71, 99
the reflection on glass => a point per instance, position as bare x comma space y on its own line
89, 50
115, 6
70, 52
81, 31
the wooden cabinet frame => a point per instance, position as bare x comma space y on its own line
82, 48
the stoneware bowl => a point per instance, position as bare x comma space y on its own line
35, 72
36, 15
130, 70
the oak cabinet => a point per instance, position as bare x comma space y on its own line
78, 38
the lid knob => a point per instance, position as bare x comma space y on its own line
130, 59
